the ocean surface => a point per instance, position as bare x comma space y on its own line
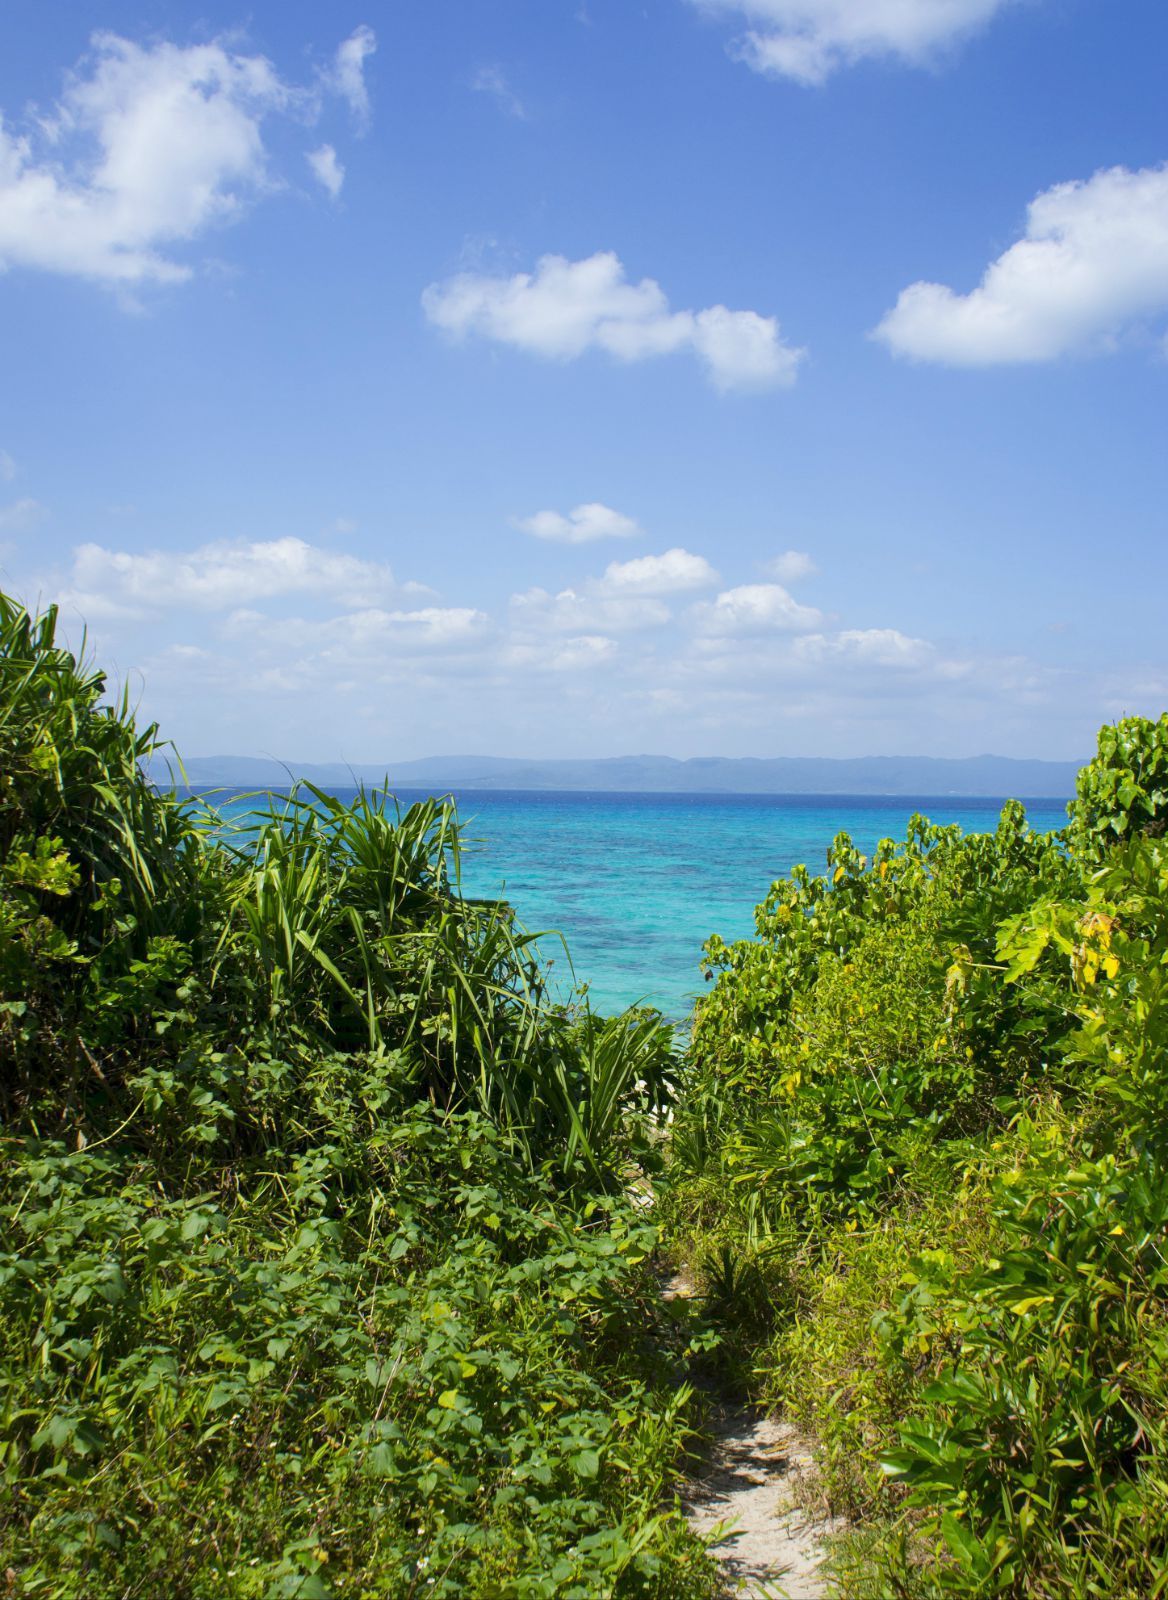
636, 883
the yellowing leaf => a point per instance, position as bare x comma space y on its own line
1021, 1307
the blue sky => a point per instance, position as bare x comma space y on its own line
538, 377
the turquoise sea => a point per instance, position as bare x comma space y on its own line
637, 882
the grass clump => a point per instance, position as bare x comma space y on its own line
317, 1274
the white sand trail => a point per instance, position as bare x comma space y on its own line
751, 1479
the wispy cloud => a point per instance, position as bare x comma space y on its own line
21, 515
880, 647
587, 609
347, 73
808, 40
493, 81
792, 566
326, 169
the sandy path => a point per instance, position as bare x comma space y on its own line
750, 1479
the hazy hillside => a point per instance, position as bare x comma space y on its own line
891, 775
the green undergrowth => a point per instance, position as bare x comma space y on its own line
919, 1165
317, 1273
375, 1366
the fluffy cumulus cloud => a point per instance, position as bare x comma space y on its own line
755, 608
148, 147
218, 577
676, 572
1092, 263
630, 597
808, 40
581, 526
315, 644
565, 308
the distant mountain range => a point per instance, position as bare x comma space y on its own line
995, 776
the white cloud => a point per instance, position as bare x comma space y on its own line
169, 144
7, 467
347, 75
590, 611
626, 599
148, 147
219, 648
218, 576
791, 566
361, 635
675, 572
585, 523
326, 169
21, 515
808, 40
567, 307
434, 627
583, 653
1093, 262
755, 608
493, 81
879, 647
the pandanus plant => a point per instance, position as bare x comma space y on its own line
352, 913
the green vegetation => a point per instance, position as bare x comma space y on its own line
318, 1275
321, 1272
921, 1162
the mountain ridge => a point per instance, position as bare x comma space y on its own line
984, 775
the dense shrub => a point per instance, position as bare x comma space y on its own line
317, 1272
868, 1012
1124, 791
931, 1100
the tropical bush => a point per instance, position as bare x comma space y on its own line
318, 1271
1124, 791
931, 1101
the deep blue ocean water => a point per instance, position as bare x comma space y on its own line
637, 882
